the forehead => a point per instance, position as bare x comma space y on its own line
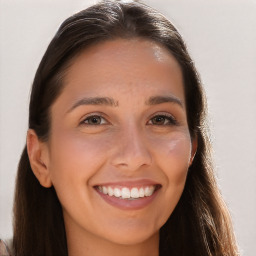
130, 67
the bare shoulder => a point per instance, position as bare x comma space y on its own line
4, 250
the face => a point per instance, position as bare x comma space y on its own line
120, 148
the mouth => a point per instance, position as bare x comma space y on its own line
128, 193
128, 197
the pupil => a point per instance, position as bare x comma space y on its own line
95, 120
159, 119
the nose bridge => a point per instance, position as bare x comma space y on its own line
132, 151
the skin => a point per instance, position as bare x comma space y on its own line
127, 144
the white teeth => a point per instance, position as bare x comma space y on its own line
110, 191
126, 193
135, 193
141, 192
117, 192
149, 191
104, 190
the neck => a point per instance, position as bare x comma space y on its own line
89, 245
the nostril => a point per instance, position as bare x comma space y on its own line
131, 160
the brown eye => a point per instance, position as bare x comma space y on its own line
162, 120
94, 120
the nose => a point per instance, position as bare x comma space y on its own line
131, 151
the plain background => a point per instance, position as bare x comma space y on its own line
221, 37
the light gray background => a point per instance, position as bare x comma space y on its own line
221, 37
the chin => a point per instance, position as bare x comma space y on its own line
132, 236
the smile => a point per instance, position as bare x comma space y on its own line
127, 193
131, 197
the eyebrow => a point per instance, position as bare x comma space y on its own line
95, 101
107, 101
155, 100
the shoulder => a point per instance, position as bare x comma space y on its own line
4, 249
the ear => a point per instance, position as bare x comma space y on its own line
194, 144
39, 158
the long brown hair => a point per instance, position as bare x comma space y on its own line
200, 223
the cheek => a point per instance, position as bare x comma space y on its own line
173, 155
179, 154
74, 161
75, 156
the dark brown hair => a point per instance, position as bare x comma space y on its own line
200, 223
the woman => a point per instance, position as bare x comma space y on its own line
117, 160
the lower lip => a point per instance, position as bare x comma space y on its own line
126, 204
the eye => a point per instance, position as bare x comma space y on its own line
94, 120
163, 119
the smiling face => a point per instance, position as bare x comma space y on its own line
119, 146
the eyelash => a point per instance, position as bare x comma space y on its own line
169, 118
93, 116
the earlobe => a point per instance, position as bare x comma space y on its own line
38, 158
